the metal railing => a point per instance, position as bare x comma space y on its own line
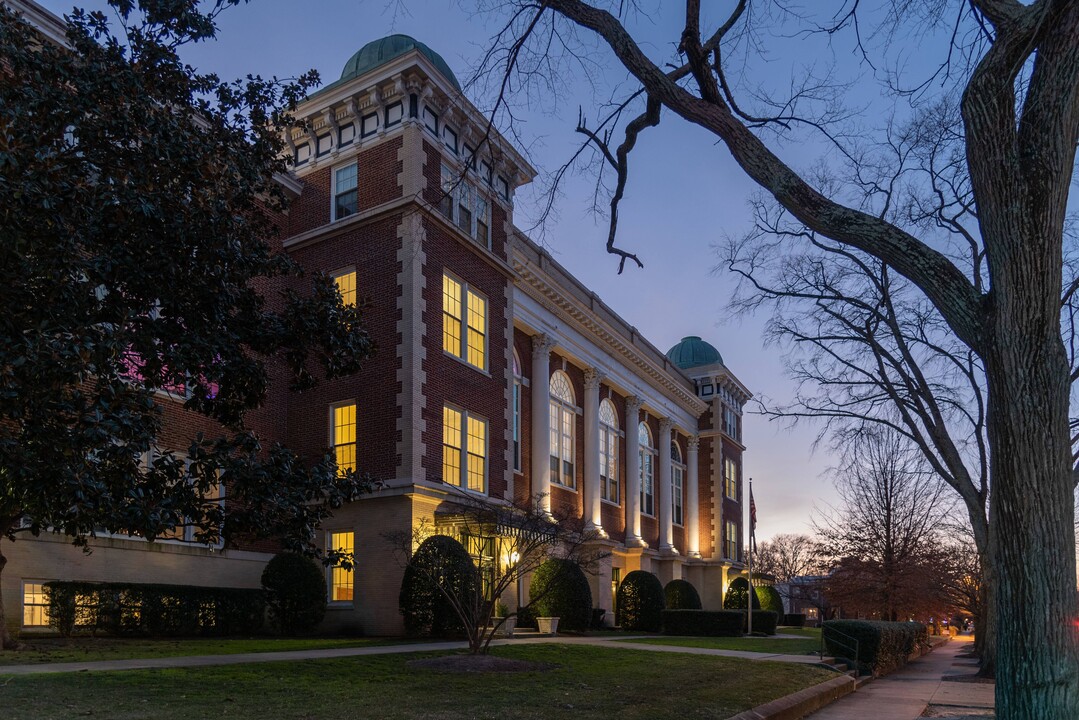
843, 640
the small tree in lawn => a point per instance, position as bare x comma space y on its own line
138, 200
506, 543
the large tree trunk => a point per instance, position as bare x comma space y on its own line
985, 623
1031, 537
6, 641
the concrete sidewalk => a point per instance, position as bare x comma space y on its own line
329, 653
906, 694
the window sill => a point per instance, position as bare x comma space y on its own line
612, 503
477, 493
567, 488
466, 363
341, 605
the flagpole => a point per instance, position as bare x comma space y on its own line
750, 556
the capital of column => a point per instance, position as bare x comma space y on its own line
633, 405
693, 444
542, 344
593, 378
665, 425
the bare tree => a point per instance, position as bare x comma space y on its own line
1015, 67
788, 555
507, 543
883, 539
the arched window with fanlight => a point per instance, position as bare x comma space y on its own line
563, 414
517, 382
648, 470
678, 475
608, 451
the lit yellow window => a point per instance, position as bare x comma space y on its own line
35, 608
341, 579
464, 322
730, 478
346, 285
344, 437
451, 446
477, 454
464, 436
451, 315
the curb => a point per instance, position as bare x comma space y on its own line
801, 703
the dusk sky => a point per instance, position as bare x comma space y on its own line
685, 194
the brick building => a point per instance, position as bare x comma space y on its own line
499, 375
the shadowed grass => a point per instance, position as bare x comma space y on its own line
588, 682
748, 644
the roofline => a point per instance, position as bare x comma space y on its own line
48, 23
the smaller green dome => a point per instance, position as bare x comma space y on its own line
693, 352
379, 52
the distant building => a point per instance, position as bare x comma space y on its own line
499, 374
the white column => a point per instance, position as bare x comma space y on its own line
593, 513
541, 422
633, 473
693, 529
666, 502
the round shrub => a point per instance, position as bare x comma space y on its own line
560, 589
770, 599
640, 602
681, 595
737, 597
295, 593
440, 563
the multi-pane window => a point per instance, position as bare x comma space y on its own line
563, 414
732, 422
463, 205
341, 578
464, 450
608, 451
730, 549
464, 322
343, 437
346, 285
730, 478
518, 380
481, 548
648, 470
35, 607
344, 191
678, 474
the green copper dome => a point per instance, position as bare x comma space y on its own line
692, 352
379, 52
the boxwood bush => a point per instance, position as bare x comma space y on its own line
711, 623
882, 646
764, 621
295, 593
153, 610
560, 589
640, 602
439, 561
681, 595
737, 597
770, 599
795, 619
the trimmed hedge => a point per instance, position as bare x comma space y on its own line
737, 597
561, 590
882, 646
640, 602
681, 595
710, 623
795, 619
439, 561
770, 599
152, 610
764, 621
295, 593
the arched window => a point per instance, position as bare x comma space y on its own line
678, 474
608, 451
517, 378
648, 470
563, 412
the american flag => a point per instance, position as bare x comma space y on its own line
752, 512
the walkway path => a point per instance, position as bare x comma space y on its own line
293, 655
906, 693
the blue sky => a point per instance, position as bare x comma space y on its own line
685, 194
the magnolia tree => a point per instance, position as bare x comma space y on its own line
507, 543
138, 202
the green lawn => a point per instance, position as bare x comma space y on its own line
809, 642
57, 650
588, 682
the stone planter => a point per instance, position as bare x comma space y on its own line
507, 627
547, 625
